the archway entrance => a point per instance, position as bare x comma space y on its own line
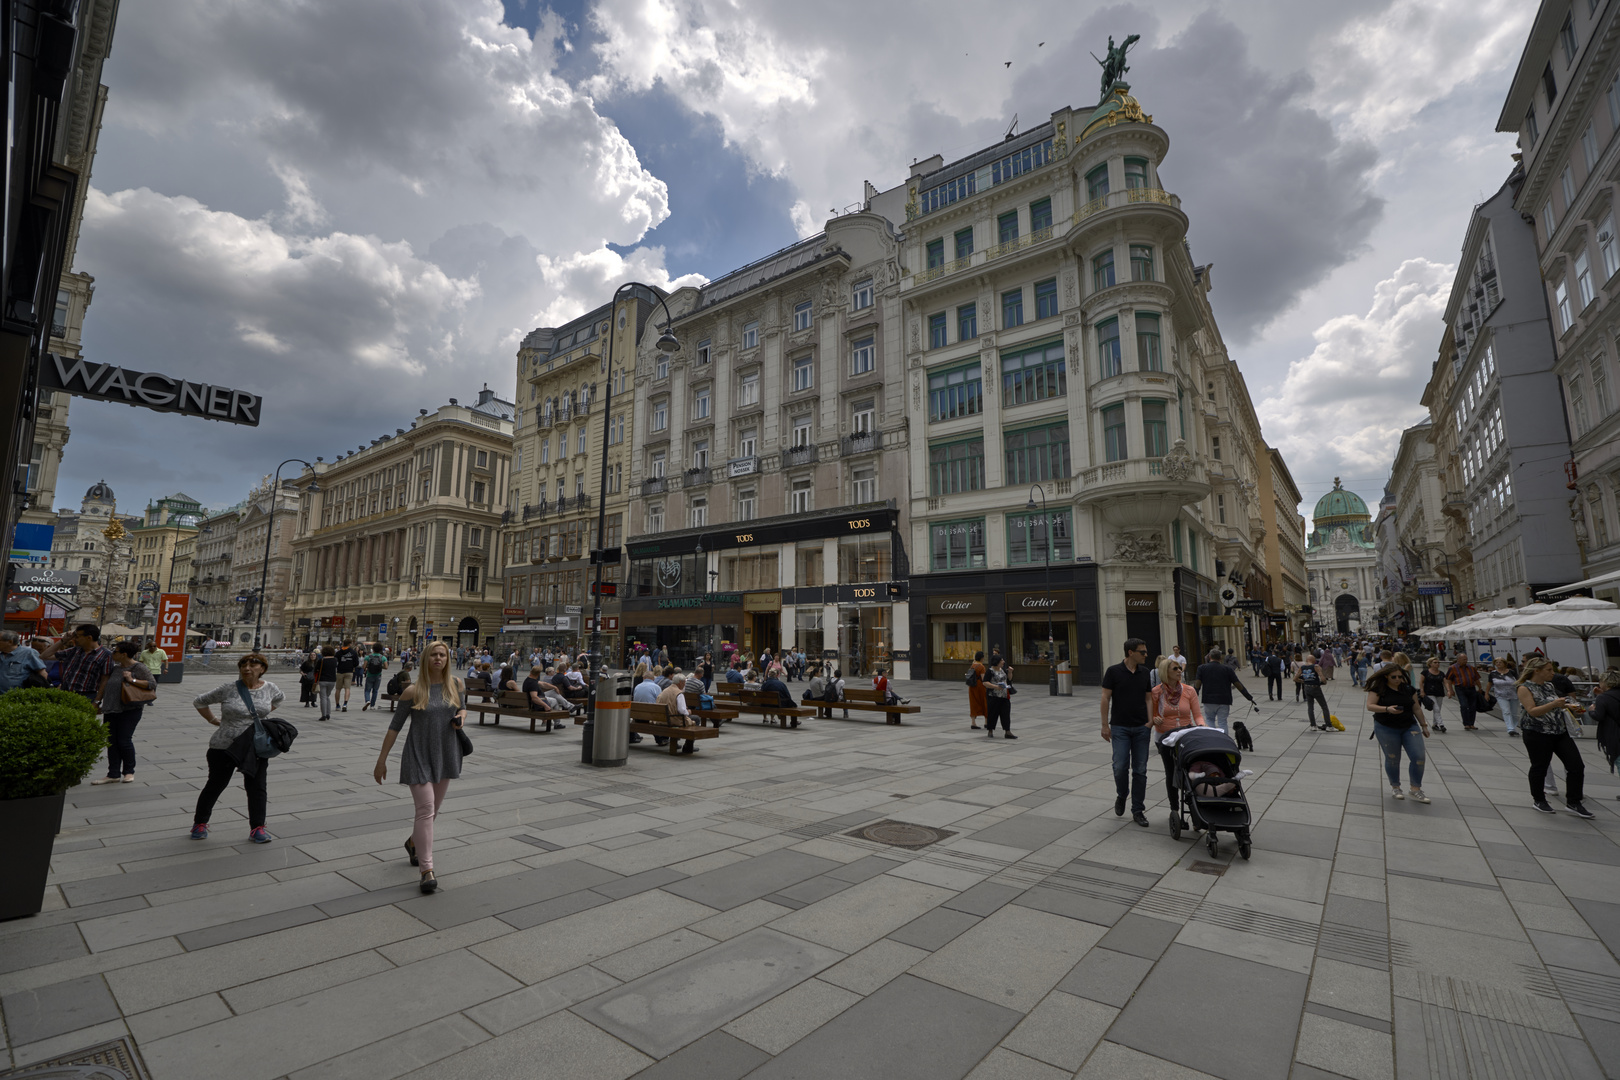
467, 632
1345, 608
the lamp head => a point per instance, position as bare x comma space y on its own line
1030, 505
668, 342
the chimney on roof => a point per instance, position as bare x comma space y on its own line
486, 395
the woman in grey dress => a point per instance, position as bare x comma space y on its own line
432, 754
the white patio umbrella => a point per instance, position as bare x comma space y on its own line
1505, 622
1579, 616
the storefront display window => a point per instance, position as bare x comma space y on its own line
955, 643
864, 559
674, 576
865, 638
810, 635
810, 562
753, 570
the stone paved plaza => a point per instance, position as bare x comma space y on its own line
711, 917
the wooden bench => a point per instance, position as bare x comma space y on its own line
715, 716
654, 720
768, 707
866, 701
513, 704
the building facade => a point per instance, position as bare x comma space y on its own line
1286, 616
80, 544
1411, 536
1499, 393
1061, 373
564, 379
164, 546
401, 534
771, 461
1564, 106
1341, 564
214, 606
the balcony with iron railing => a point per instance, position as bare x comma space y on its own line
653, 485
1129, 197
696, 477
1007, 247
862, 442
795, 456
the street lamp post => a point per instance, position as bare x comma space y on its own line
667, 343
1046, 557
269, 530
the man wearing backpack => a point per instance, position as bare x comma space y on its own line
375, 664
1310, 681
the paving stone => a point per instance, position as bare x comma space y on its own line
1347, 1049
1003, 1064
740, 882
522, 1007
911, 1029
47, 945
1012, 957
166, 920
1106, 976
1062, 1030
1312, 841
647, 879
858, 916
663, 1011
405, 1052
934, 929
874, 966
1073, 904
809, 891
33, 1015
984, 898
559, 1047
263, 924
1256, 1040
1026, 831
861, 869
1111, 1061
716, 1056
556, 908
1141, 936
453, 905
1351, 987
788, 1017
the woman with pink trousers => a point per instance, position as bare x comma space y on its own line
432, 754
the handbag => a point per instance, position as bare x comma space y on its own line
263, 745
134, 695
464, 741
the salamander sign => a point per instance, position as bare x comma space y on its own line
149, 390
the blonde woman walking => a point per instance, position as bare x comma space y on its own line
432, 754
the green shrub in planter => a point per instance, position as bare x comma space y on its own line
49, 741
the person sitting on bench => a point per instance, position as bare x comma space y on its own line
880, 683
673, 699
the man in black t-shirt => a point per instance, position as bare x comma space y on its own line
1215, 683
1125, 689
348, 662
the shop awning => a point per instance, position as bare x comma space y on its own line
1612, 578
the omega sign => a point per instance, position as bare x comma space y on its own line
149, 390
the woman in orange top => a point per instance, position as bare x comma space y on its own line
978, 699
1172, 704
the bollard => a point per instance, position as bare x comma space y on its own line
587, 741
1065, 679
611, 738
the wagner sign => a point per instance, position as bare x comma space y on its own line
149, 390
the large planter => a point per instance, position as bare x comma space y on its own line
27, 835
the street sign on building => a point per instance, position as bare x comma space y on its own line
31, 543
1433, 586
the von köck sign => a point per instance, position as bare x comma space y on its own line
149, 390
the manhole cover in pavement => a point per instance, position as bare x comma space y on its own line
117, 1060
900, 834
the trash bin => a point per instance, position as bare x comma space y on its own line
610, 736
1065, 679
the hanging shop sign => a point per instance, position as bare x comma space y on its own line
149, 390
43, 581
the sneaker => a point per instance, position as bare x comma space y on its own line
1119, 806
905, 701
1541, 804
1580, 811
130, 779
199, 831
1009, 735
261, 835
1140, 818
98, 781
1513, 734
1418, 796
1398, 793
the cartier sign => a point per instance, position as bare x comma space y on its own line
1040, 602
955, 605
149, 390
1138, 601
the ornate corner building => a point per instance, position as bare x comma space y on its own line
1341, 562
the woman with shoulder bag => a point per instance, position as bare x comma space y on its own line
1543, 720
123, 698
1398, 715
1434, 692
1172, 704
978, 698
433, 751
247, 698
998, 698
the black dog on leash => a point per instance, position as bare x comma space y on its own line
1240, 733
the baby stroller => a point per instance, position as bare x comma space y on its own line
1211, 791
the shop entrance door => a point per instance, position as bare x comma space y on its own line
767, 633
1144, 625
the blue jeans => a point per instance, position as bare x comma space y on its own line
121, 740
1131, 747
1510, 712
373, 684
1216, 716
1392, 741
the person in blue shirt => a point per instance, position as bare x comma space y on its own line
17, 661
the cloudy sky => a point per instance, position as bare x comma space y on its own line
358, 209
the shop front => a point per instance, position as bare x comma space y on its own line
960, 615
685, 626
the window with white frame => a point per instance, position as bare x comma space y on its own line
545, 450
704, 352
804, 373
750, 335
482, 461
700, 454
801, 315
1600, 387
579, 441
748, 390
660, 415
801, 431
579, 485
1566, 182
747, 442
1608, 249
1577, 403
661, 367
1220, 508
656, 463
1583, 278
863, 485
655, 517
802, 496
1589, 147
862, 415
700, 403
747, 503
1561, 302
1547, 219
861, 295
697, 513
862, 356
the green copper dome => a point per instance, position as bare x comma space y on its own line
1340, 503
